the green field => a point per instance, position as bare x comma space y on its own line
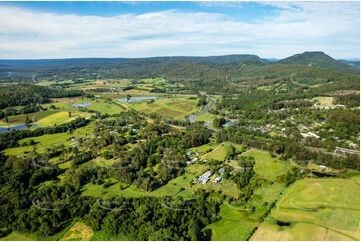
237, 222
173, 187
176, 108
265, 164
48, 140
21, 118
232, 225
205, 148
60, 118
315, 209
103, 106
206, 117
219, 152
15, 236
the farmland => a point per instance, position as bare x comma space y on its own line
318, 207
176, 108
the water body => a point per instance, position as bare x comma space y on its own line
15, 127
81, 105
137, 99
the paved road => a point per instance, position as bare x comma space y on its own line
193, 118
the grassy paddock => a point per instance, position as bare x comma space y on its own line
176, 186
48, 140
176, 108
315, 209
266, 166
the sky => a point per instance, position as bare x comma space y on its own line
45, 30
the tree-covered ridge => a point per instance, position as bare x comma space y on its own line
16, 95
174, 68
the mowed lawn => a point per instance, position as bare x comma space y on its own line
316, 209
176, 108
266, 166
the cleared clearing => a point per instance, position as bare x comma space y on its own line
325, 101
266, 166
176, 108
79, 231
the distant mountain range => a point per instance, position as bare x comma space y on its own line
209, 67
355, 63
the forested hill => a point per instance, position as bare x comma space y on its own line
175, 68
321, 60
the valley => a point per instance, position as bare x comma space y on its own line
208, 148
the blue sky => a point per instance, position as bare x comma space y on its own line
247, 11
141, 29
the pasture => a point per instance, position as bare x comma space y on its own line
21, 118
60, 118
104, 106
176, 186
233, 225
266, 166
205, 148
219, 152
176, 108
238, 221
315, 209
15, 236
48, 140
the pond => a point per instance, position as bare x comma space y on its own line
137, 99
15, 127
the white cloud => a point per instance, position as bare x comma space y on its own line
330, 27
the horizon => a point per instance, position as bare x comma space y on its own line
65, 30
174, 56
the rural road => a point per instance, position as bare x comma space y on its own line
193, 118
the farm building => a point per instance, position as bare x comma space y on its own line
203, 178
217, 179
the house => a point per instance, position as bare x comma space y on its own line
323, 167
221, 170
218, 179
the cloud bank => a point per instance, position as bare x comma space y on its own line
332, 27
